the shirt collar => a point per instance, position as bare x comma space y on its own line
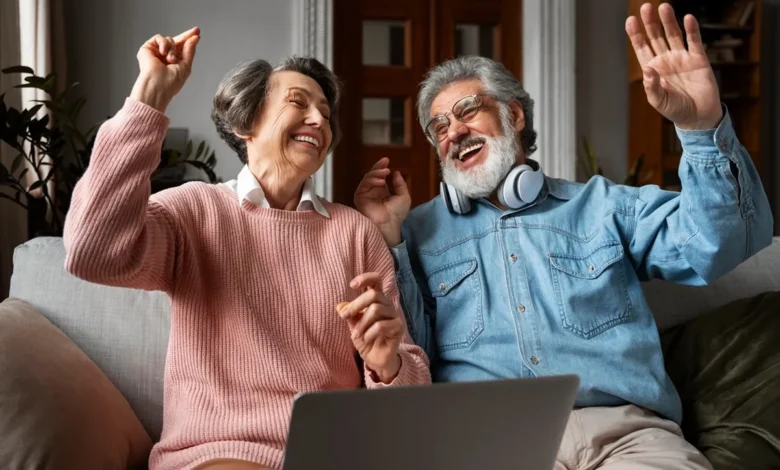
247, 187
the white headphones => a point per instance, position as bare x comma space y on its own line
520, 187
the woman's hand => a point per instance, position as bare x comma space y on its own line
376, 326
165, 64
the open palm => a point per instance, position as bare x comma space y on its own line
679, 82
386, 209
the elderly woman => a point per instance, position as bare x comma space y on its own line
274, 292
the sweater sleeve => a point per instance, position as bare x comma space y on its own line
114, 234
415, 368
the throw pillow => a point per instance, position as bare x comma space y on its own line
726, 366
57, 409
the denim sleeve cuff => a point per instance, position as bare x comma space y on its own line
709, 143
401, 257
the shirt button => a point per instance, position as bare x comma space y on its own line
534, 360
591, 268
521, 308
513, 257
442, 287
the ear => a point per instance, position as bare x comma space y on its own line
242, 136
518, 116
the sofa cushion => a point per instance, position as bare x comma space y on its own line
726, 366
124, 331
57, 409
674, 304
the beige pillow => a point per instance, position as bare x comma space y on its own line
57, 409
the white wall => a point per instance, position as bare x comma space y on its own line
602, 86
103, 37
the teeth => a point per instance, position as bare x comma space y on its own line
468, 149
306, 138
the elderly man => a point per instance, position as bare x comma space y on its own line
509, 273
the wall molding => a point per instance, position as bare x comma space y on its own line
549, 75
313, 37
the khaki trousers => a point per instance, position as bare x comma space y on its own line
625, 438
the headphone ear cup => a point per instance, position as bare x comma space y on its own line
508, 194
455, 202
529, 183
521, 186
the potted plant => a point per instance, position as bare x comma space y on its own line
57, 153
590, 163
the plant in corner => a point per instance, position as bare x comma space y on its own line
55, 152
590, 162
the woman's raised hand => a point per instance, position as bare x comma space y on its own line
165, 64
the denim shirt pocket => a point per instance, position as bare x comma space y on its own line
457, 290
591, 289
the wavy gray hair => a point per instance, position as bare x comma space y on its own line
498, 83
243, 90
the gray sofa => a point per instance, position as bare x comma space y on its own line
125, 332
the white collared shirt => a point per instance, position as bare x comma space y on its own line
247, 187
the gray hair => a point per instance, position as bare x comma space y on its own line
242, 92
498, 83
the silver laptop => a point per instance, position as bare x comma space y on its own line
454, 426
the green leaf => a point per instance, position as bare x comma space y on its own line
3, 172
188, 150
16, 163
19, 69
37, 185
34, 80
24, 173
201, 147
30, 113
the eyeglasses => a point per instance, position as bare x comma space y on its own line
464, 110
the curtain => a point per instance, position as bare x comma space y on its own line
33, 35
13, 219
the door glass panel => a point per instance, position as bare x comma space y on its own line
384, 121
475, 39
384, 43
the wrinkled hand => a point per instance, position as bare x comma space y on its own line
165, 64
679, 83
376, 326
374, 200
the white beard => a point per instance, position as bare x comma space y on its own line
482, 180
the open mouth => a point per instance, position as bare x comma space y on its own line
307, 140
467, 152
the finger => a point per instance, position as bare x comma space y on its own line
641, 47
181, 38
380, 173
693, 35
374, 313
160, 44
188, 52
173, 52
361, 303
653, 89
653, 28
388, 329
399, 185
671, 28
367, 280
381, 163
374, 182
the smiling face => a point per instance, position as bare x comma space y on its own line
292, 132
475, 155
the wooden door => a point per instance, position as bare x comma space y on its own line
382, 51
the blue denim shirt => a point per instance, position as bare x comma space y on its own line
554, 287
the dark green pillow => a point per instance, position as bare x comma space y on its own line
726, 366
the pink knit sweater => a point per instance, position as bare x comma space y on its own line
253, 294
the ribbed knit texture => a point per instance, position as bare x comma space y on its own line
253, 294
